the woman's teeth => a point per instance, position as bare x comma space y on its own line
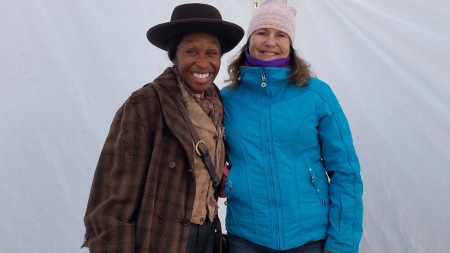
200, 75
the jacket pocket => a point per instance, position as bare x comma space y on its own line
318, 180
228, 184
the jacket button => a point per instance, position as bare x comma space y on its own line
172, 165
162, 217
185, 222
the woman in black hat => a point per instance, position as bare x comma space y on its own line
154, 185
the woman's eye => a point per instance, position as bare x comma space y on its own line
260, 32
212, 53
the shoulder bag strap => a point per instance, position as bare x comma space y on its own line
200, 146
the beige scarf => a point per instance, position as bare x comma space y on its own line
210, 102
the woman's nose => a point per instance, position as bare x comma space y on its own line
270, 41
202, 61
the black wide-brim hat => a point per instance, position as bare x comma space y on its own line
196, 18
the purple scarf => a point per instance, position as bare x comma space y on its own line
255, 62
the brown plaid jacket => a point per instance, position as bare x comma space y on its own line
143, 189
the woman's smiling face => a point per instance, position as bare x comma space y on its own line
197, 60
269, 44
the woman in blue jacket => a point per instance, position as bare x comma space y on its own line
295, 183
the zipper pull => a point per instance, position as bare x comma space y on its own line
263, 84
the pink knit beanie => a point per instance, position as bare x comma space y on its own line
273, 14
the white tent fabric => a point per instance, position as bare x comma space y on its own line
67, 66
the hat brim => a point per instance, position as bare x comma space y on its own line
231, 34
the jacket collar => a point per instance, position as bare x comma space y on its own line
172, 115
275, 79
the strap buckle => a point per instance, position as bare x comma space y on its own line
197, 149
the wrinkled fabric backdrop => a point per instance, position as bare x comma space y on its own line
67, 66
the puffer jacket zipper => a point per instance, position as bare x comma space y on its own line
263, 78
267, 120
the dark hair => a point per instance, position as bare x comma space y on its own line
173, 44
300, 74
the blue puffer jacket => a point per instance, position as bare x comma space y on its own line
282, 140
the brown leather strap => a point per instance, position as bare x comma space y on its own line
200, 146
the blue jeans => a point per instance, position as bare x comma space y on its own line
237, 244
